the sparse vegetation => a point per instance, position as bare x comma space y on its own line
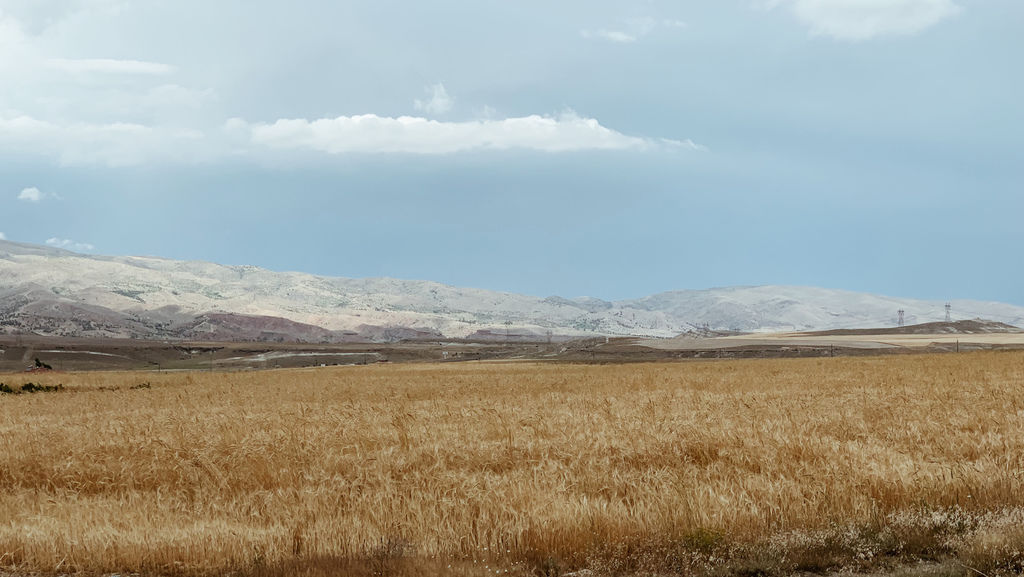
705, 468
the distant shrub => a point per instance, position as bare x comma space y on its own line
30, 388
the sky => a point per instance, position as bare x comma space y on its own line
604, 148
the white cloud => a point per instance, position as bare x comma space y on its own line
109, 66
865, 19
439, 103
370, 133
616, 36
69, 244
3, 236
33, 194
632, 30
128, 144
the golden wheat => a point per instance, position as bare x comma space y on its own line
512, 466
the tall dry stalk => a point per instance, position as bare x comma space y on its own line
507, 464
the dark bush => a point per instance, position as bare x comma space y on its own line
30, 388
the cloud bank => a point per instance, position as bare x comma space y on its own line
71, 109
865, 19
121, 144
370, 133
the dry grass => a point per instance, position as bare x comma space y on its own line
747, 467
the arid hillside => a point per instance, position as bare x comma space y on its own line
53, 292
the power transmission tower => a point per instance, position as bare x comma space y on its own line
900, 317
949, 318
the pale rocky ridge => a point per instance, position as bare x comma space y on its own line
57, 292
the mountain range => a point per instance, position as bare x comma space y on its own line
50, 291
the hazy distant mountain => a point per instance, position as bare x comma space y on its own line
57, 292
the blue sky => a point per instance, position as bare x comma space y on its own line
613, 149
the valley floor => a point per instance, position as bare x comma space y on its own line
18, 353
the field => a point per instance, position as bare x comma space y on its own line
747, 467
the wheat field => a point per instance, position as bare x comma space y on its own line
738, 467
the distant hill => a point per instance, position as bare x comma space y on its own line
55, 292
966, 327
